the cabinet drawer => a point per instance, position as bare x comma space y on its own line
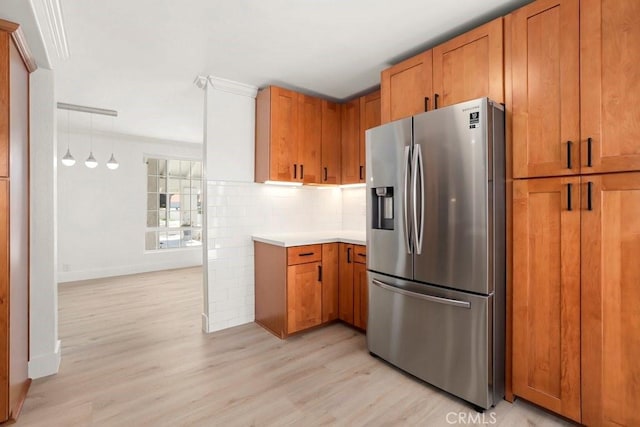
360, 254
304, 254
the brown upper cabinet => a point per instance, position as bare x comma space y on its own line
358, 115
407, 88
466, 67
470, 66
350, 144
543, 64
310, 138
369, 118
276, 135
610, 85
573, 92
331, 165
288, 136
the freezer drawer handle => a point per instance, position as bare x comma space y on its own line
431, 298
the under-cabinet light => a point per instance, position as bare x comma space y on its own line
284, 183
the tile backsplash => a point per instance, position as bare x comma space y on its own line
238, 210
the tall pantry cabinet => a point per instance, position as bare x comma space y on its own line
573, 83
15, 65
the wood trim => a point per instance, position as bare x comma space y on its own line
508, 386
4, 299
21, 43
4, 104
8, 26
23, 48
271, 287
23, 396
263, 135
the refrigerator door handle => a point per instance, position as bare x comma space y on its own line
431, 298
418, 226
405, 209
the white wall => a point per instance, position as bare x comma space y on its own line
354, 209
102, 213
44, 347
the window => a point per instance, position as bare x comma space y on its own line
174, 207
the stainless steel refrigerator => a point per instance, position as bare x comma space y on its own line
436, 248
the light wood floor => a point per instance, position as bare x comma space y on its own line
133, 354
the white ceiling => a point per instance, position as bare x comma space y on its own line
140, 57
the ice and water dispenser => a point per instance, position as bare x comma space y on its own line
382, 207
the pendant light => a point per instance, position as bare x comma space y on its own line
112, 163
68, 159
91, 161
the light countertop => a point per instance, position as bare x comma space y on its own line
312, 238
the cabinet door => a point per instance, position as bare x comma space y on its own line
406, 87
310, 138
610, 296
345, 310
331, 172
350, 136
546, 293
329, 282
544, 88
360, 296
610, 85
369, 118
284, 165
304, 296
470, 66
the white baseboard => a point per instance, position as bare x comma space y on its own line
72, 276
45, 364
205, 323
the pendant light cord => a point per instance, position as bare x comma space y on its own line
68, 131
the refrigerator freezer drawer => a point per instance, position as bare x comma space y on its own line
442, 337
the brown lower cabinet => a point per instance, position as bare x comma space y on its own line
296, 288
299, 287
576, 323
353, 299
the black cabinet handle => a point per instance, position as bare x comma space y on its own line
589, 144
569, 204
569, 146
306, 254
435, 101
326, 174
319, 273
295, 171
301, 171
361, 254
589, 201
426, 104
348, 255
361, 172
